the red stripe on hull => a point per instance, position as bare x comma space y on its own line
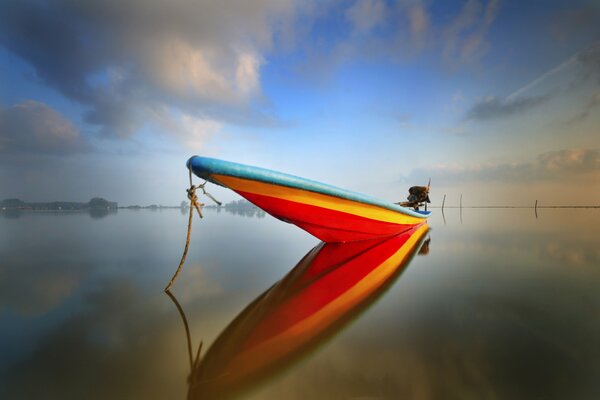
327, 225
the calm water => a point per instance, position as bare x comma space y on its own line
504, 306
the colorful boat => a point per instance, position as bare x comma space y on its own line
327, 212
319, 296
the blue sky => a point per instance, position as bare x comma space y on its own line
497, 100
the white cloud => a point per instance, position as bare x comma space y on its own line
194, 132
195, 73
189, 130
187, 71
247, 73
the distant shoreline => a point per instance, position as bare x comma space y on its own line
216, 208
96, 203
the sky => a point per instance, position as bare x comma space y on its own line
497, 101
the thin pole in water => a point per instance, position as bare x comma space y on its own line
535, 209
443, 202
461, 208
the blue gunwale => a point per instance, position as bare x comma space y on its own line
204, 167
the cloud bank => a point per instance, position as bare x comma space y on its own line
32, 127
135, 63
128, 60
550, 166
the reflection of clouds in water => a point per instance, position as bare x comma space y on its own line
553, 328
547, 251
124, 345
30, 287
459, 347
576, 255
487, 315
197, 283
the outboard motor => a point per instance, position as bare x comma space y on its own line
417, 196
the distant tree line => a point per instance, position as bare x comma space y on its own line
97, 203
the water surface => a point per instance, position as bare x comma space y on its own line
503, 306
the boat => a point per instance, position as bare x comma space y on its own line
327, 212
326, 290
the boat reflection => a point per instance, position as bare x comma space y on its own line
324, 291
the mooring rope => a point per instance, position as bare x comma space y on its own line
194, 204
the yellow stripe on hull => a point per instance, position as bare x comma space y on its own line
316, 199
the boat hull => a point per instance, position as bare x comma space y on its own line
329, 213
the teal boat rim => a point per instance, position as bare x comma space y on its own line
203, 167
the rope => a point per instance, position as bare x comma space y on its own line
194, 204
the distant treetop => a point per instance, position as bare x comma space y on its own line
99, 202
